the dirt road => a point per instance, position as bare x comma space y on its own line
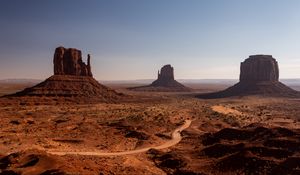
176, 138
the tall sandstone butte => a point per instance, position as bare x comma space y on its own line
72, 80
165, 82
259, 68
69, 62
165, 77
259, 75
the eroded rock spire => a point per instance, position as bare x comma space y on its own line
69, 62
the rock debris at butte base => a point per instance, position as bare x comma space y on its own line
72, 79
259, 75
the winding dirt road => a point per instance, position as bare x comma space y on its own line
176, 138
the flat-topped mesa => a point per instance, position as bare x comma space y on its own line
69, 62
259, 68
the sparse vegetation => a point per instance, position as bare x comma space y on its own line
149, 120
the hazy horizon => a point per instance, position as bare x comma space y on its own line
131, 40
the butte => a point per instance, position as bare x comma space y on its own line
72, 81
165, 82
259, 75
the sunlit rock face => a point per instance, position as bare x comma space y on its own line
69, 62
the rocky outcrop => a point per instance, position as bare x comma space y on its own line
83, 88
69, 62
165, 76
72, 80
258, 68
165, 82
259, 75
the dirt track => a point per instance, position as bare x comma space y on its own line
176, 138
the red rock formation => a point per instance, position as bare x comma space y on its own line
259, 68
69, 62
83, 88
165, 82
165, 77
259, 76
72, 80
89, 69
166, 73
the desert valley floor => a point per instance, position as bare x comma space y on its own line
240, 135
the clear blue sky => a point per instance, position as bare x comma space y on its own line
132, 39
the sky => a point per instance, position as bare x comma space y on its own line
132, 39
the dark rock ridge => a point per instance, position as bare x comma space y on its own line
165, 82
72, 79
259, 75
69, 62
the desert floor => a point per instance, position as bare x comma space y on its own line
240, 135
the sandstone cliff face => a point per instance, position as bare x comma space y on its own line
69, 62
258, 68
165, 77
166, 73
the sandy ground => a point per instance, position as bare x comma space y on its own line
225, 110
176, 138
244, 130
